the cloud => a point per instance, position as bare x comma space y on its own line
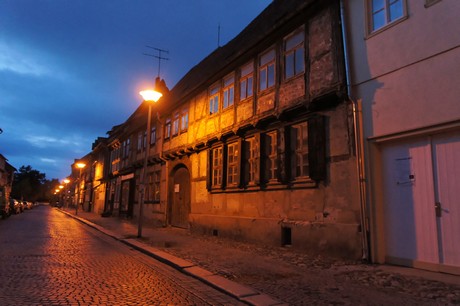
18, 59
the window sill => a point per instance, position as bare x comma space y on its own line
294, 77
304, 182
386, 27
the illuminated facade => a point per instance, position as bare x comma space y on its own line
255, 143
257, 139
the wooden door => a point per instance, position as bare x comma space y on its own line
180, 199
446, 160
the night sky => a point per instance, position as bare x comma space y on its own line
72, 69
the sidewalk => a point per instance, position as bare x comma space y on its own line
260, 275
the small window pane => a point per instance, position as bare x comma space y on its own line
267, 57
289, 65
378, 20
378, 5
243, 89
263, 79
271, 75
247, 69
294, 40
249, 86
299, 64
396, 10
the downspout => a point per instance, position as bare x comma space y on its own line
357, 129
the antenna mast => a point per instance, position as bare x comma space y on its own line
159, 56
218, 35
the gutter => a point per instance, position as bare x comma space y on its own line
358, 138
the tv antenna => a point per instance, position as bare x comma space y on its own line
160, 56
218, 35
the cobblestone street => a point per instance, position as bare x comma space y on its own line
47, 258
294, 277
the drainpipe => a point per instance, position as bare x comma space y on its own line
357, 129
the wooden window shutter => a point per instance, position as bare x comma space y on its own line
224, 166
244, 169
264, 148
239, 173
284, 157
317, 147
209, 176
257, 148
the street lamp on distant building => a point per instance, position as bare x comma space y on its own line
80, 166
66, 183
150, 97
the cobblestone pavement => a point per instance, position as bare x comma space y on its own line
295, 277
47, 258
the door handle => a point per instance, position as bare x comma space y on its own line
438, 209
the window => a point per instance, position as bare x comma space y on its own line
246, 81
229, 89
294, 55
384, 12
214, 100
184, 120
156, 186
299, 147
232, 164
272, 155
168, 128
217, 167
267, 70
175, 125
153, 135
253, 160
126, 145
153, 189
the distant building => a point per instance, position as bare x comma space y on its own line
6, 180
404, 67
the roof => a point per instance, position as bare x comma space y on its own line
242, 47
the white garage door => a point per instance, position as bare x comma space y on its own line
421, 199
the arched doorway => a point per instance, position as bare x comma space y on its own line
179, 202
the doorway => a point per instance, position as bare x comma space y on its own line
180, 198
421, 202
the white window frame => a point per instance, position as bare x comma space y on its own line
267, 67
247, 81
389, 21
228, 91
214, 92
295, 49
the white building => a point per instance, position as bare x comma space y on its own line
404, 67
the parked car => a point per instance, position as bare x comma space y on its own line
27, 205
15, 206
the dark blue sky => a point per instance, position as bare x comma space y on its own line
72, 69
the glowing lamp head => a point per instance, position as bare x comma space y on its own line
151, 95
80, 165
66, 181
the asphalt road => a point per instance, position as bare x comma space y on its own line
48, 258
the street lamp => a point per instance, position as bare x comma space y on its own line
66, 183
149, 96
80, 166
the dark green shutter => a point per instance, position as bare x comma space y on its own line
209, 176
317, 147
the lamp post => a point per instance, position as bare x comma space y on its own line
66, 183
149, 96
80, 166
